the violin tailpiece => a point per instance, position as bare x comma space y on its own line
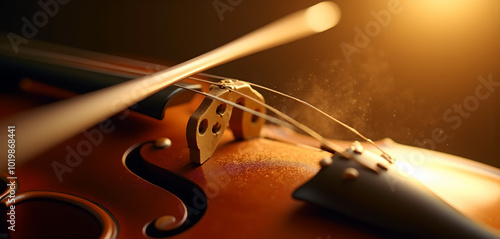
208, 123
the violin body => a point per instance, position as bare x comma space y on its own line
247, 184
134, 176
115, 181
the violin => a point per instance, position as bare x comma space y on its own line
165, 162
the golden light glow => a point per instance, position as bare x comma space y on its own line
323, 16
448, 6
455, 12
469, 191
461, 189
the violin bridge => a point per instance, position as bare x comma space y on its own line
208, 123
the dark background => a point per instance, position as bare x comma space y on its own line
427, 59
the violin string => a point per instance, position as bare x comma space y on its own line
353, 130
289, 122
385, 155
83, 61
254, 112
330, 145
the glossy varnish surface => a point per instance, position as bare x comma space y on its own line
248, 183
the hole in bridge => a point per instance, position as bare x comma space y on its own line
216, 128
255, 117
221, 109
202, 128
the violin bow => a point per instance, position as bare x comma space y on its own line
43, 127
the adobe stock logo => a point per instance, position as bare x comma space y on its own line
371, 30
222, 7
40, 19
455, 116
460, 111
94, 137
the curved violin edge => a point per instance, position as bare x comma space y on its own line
107, 221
